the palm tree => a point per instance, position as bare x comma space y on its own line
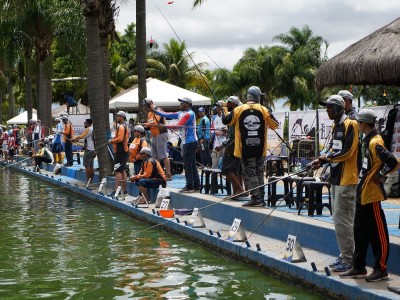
172, 65
141, 55
301, 55
91, 11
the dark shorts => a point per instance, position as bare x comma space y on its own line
120, 161
11, 152
88, 159
57, 148
231, 164
149, 183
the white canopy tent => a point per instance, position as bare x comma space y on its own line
22, 118
163, 94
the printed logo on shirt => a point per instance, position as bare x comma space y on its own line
251, 122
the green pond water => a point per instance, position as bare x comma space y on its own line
54, 245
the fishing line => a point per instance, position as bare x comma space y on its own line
197, 68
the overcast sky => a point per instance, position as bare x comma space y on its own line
221, 30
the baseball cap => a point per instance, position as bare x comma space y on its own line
121, 113
201, 109
185, 99
334, 99
139, 128
254, 93
57, 119
145, 150
234, 100
345, 94
366, 115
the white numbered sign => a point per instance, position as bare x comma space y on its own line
196, 215
164, 204
290, 242
293, 244
236, 228
102, 183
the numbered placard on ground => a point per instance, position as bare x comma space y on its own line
196, 220
293, 244
165, 204
237, 230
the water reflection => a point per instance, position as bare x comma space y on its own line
56, 246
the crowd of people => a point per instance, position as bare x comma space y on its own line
234, 140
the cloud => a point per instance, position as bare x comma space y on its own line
223, 29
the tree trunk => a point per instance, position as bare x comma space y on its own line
141, 55
42, 88
106, 80
28, 92
96, 93
11, 100
1, 107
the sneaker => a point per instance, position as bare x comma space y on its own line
168, 177
253, 202
196, 190
112, 194
354, 273
377, 275
342, 267
338, 261
186, 190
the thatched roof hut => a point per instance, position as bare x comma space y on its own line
373, 60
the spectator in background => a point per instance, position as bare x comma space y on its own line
36, 134
349, 109
219, 130
174, 152
11, 145
4, 142
159, 141
204, 135
17, 138
57, 147
90, 151
70, 101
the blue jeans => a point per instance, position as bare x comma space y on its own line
189, 164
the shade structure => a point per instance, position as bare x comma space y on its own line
373, 60
22, 118
163, 94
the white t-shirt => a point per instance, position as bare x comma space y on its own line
220, 136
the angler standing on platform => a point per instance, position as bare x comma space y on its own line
342, 156
90, 152
251, 121
187, 124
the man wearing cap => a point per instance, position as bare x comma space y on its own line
219, 136
203, 134
370, 223
120, 144
68, 133
187, 125
151, 175
17, 137
90, 152
231, 167
57, 147
159, 148
137, 144
342, 157
349, 109
251, 121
